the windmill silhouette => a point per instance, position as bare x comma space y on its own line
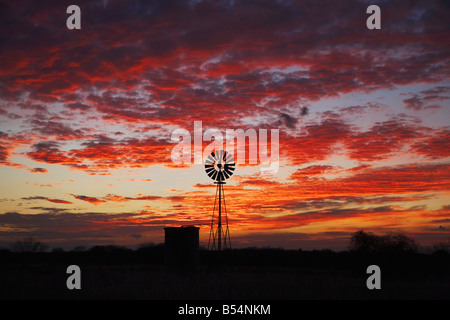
219, 166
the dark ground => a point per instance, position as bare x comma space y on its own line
273, 274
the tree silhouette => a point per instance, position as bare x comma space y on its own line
28, 245
362, 241
398, 242
442, 246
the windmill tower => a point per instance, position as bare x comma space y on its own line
219, 166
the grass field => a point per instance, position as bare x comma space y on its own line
323, 276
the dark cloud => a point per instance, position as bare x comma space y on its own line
116, 198
47, 199
49, 152
38, 170
304, 111
3, 154
54, 128
69, 229
92, 200
434, 98
435, 146
288, 121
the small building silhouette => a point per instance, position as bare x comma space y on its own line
181, 252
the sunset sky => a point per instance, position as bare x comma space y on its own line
86, 118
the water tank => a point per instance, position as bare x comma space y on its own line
181, 248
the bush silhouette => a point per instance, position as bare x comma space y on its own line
362, 241
28, 245
442, 246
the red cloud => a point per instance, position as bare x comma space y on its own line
88, 199
57, 129
59, 201
47, 199
38, 170
3, 154
385, 180
435, 146
8, 143
311, 171
48, 152
116, 198
316, 143
99, 155
428, 99
381, 140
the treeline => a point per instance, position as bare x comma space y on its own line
360, 241
247, 259
102, 254
394, 253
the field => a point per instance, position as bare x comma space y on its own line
271, 274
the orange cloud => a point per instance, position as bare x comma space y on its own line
92, 200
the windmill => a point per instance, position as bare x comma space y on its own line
219, 166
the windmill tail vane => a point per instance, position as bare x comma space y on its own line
219, 166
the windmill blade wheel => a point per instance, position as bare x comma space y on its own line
220, 165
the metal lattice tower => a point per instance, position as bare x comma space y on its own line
219, 166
